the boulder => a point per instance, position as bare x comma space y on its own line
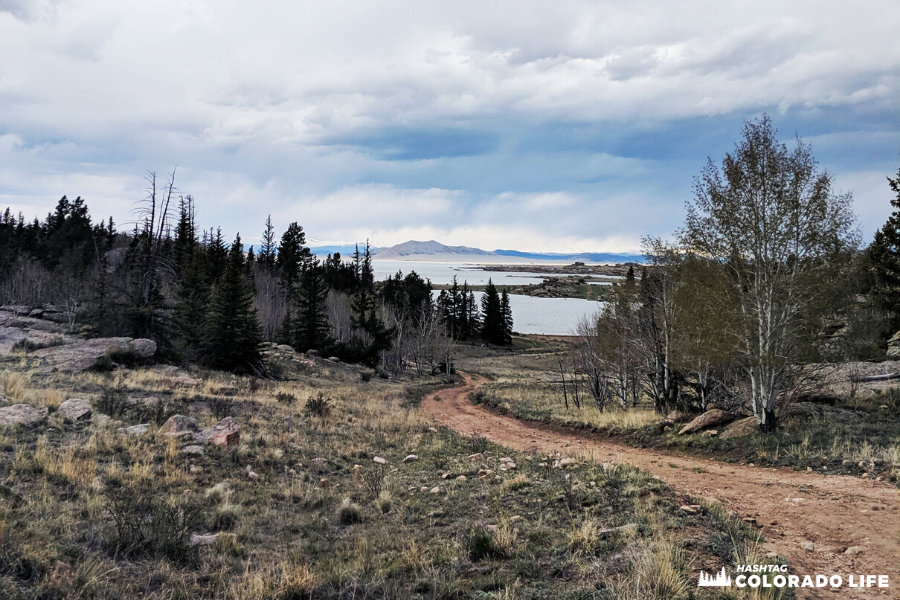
893, 349
224, 433
22, 414
740, 428
75, 409
710, 418
192, 449
83, 355
179, 425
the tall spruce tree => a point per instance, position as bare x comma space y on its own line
884, 259
292, 258
493, 328
268, 250
233, 335
506, 312
310, 327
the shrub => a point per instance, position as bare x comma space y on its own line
477, 443
366, 376
220, 407
145, 524
285, 398
317, 406
113, 401
128, 357
349, 513
480, 544
373, 479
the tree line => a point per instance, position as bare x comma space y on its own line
766, 281
208, 301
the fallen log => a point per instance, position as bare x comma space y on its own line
873, 378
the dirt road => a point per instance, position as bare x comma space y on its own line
792, 508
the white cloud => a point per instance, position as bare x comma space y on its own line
272, 106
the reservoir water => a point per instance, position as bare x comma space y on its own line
546, 316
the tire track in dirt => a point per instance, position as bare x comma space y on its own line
791, 508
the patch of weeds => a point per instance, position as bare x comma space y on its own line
113, 401
146, 524
480, 544
349, 513
373, 479
477, 443
221, 407
285, 398
317, 406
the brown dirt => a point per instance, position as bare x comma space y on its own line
790, 507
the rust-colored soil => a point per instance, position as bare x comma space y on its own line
792, 508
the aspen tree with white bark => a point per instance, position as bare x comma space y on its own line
772, 219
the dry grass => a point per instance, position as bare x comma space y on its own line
307, 522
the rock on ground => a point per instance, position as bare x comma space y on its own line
23, 414
710, 418
178, 425
740, 428
83, 354
224, 433
75, 409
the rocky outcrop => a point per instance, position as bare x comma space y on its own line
710, 418
893, 349
75, 409
22, 414
82, 355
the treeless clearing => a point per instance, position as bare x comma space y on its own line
791, 508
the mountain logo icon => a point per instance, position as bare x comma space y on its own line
720, 580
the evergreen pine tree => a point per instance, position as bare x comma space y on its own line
310, 328
884, 257
268, 250
506, 312
233, 335
492, 328
292, 258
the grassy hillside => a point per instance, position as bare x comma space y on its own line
300, 508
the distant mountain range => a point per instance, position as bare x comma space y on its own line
432, 251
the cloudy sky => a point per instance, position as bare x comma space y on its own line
545, 126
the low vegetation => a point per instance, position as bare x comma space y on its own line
301, 508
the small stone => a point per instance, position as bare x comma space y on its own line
334, 359
862, 464
75, 409
323, 483
771, 554
462, 478
478, 457
97, 484
691, 509
379, 461
878, 478
357, 467
196, 469
808, 546
411, 458
432, 429
485, 473
252, 475
846, 462
203, 539
809, 468
446, 475
435, 490
137, 429
192, 449
710, 433
424, 488
853, 550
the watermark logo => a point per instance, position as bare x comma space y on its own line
720, 580
776, 576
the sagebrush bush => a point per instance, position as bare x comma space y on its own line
317, 406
